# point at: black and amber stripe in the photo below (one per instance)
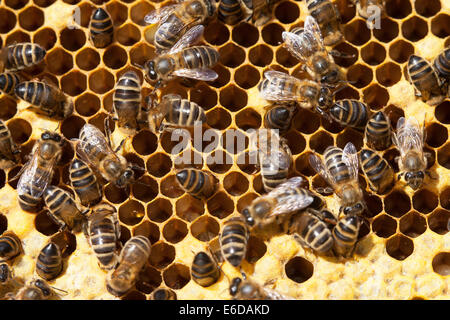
(5, 273)
(328, 19)
(164, 294)
(350, 112)
(233, 240)
(61, 206)
(230, 11)
(377, 170)
(84, 183)
(204, 270)
(136, 251)
(10, 246)
(314, 233)
(345, 235)
(442, 64)
(101, 28)
(279, 117)
(49, 262)
(8, 82)
(23, 55)
(273, 172)
(197, 183)
(184, 113)
(30, 198)
(336, 166)
(199, 57)
(423, 77)
(165, 38)
(378, 131)
(9, 152)
(127, 100)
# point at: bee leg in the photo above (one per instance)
(342, 55)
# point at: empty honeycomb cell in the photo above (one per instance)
(424, 201)
(223, 76)
(399, 247)
(443, 156)
(219, 161)
(260, 55)
(189, 159)
(216, 33)
(71, 127)
(204, 96)
(125, 234)
(397, 203)
(295, 141)
(115, 57)
(394, 113)
(246, 77)
(87, 59)
(7, 20)
(175, 230)
(85, 13)
(159, 164)
(205, 228)
(73, 83)
(287, 12)
(359, 75)
(189, 208)
(414, 29)
(145, 142)
(44, 224)
(139, 11)
(235, 183)
(388, 30)
(349, 52)
(118, 12)
(271, 34)
(99, 121)
(442, 112)
(149, 230)
(390, 157)
(176, 276)
(20, 130)
(128, 35)
(413, 224)
(346, 9)
(384, 226)
(375, 96)
(302, 165)
(131, 212)
(445, 198)
(101, 81)
(172, 144)
(17, 37)
(170, 187)
(234, 141)
(3, 223)
(149, 279)
(436, 135)
(218, 118)
(246, 163)
(248, 119)
(350, 135)
(72, 39)
(145, 189)
(256, 249)
(114, 194)
(346, 93)
(162, 255)
(59, 61)
(373, 53)
(159, 210)
(11, 177)
(357, 32)
(389, 74)
(306, 121)
(398, 9)
(141, 53)
(31, 18)
(245, 34)
(440, 25)
(245, 201)
(16, 4)
(133, 295)
(298, 269)
(285, 58)
(400, 51)
(374, 205)
(320, 141)
(438, 221)
(441, 263)
(231, 55)
(87, 104)
(220, 205)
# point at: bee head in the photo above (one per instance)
(355, 210)
(153, 76)
(414, 179)
(234, 287)
(43, 286)
(126, 177)
(248, 218)
(47, 135)
(330, 77)
(325, 98)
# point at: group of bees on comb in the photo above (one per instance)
(286, 208)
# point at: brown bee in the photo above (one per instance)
(345, 235)
(8, 283)
(204, 270)
(94, 149)
(197, 183)
(8, 82)
(247, 289)
(329, 19)
(309, 48)
(183, 61)
(84, 183)
(10, 246)
(233, 240)
(20, 56)
(164, 294)
(101, 30)
(377, 171)
(37, 173)
(46, 99)
(412, 161)
(378, 131)
(368, 8)
(425, 80)
(9, 152)
(35, 290)
(442, 65)
(351, 113)
(174, 21)
(279, 116)
(231, 11)
(49, 263)
(133, 257)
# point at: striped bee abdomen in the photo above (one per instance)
(10, 246)
(127, 100)
(279, 117)
(9, 152)
(199, 57)
(163, 294)
(49, 263)
(8, 82)
(101, 28)
(196, 182)
(314, 233)
(204, 270)
(337, 167)
(30, 199)
(84, 183)
(378, 131)
(23, 55)
(164, 36)
(350, 112)
(377, 170)
(230, 11)
(345, 235)
(233, 241)
(442, 64)
(425, 79)
(183, 112)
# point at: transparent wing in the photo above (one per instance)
(274, 295)
(95, 139)
(409, 135)
(204, 74)
(317, 164)
(160, 15)
(303, 45)
(34, 183)
(313, 28)
(275, 89)
(192, 36)
(350, 157)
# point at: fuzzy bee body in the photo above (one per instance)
(312, 232)
(248, 289)
(204, 269)
(164, 294)
(8, 82)
(127, 101)
(84, 183)
(442, 64)
(345, 235)
(21, 55)
(182, 112)
(230, 11)
(35, 290)
(377, 171)
(279, 116)
(196, 182)
(328, 18)
(349, 112)
(10, 246)
(101, 29)
(378, 131)
(49, 263)
(9, 152)
(233, 241)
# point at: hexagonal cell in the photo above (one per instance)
(287, 12)
(176, 276)
(440, 25)
(375, 96)
(189, 208)
(298, 269)
(147, 229)
(145, 142)
(141, 53)
(424, 201)
(302, 165)
(61, 61)
(414, 29)
(173, 146)
(248, 119)
(346, 10)
(374, 205)
(442, 112)
(149, 279)
(245, 34)
(320, 141)
(231, 55)
(234, 141)
(441, 263)
(445, 198)
(175, 230)
(219, 161)
(388, 74)
(204, 96)
(133, 295)
(131, 212)
(436, 135)
(87, 104)
(413, 224)
(443, 156)
(20, 130)
(260, 55)
(357, 32)
(159, 164)
(220, 205)
(11, 178)
(73, 83)
(114, 194)
(384, 226)
(115, 57)
(397, 203)
(46, 38)
(400, 51)
(31, 18)
(118, 12)
(247, 163)
(271, 34)
(44, 3)
(388, 30)
(216, 33)
(44, 224)
(162, 255)
(373, 53)
(246, 77)
(17, 37)
(285, 58)
(438, 221)
(2, 184)
(71, 127)
(205, 228)
(3, 223)
(399, 247)
(139, 11)
(128, 35)
(349, 50)
(87, 59)
(245, 201)
(306, 121)
(101, 81)
(350, 135)
(125, 234)
(159, 210)
(398, 9)
(394, 113)
(16, 4)
(218, 118)
(359, 75)
(346, 93)
(72, 39)
(235, 183)
(223, 78)
(256, 249)
(8, 109)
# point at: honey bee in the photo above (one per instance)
(329, 20)
(10, 246)
(174, 21)
(164, 294)
(8, 82)
(233, 240)
(341, 172)
(412, 161)
(96, 151)
(20, 56)
(378, 131)
(204, 270)
(309, 48)
(377, 171)
(248, 289)
(84, 183)
(367, 8)
(49, 262)
(231, 11)
(132, 258)
(262, 11)
(46, 99)
(103, 234)
(345, 235)
(442, 65)
(35, 290)
(279, 116)
(62, 208)
(183, 61)
(9, 152)
(37, 173)
(351, 113)
(197, 183)
(278, 86)
(8, 283)
(101, 30)
(425, 80)
(127, 102)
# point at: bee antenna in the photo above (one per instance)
(65, 292)
(338, 54)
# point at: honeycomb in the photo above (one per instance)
(404, 255)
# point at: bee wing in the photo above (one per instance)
(313, 28)
(275, 91)
(32, 183)
(409, 135)
(274, 295)
(204, 74)
(303, 45)
(350, 157)
(160, 15)
(191, 37)
(321, 169)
